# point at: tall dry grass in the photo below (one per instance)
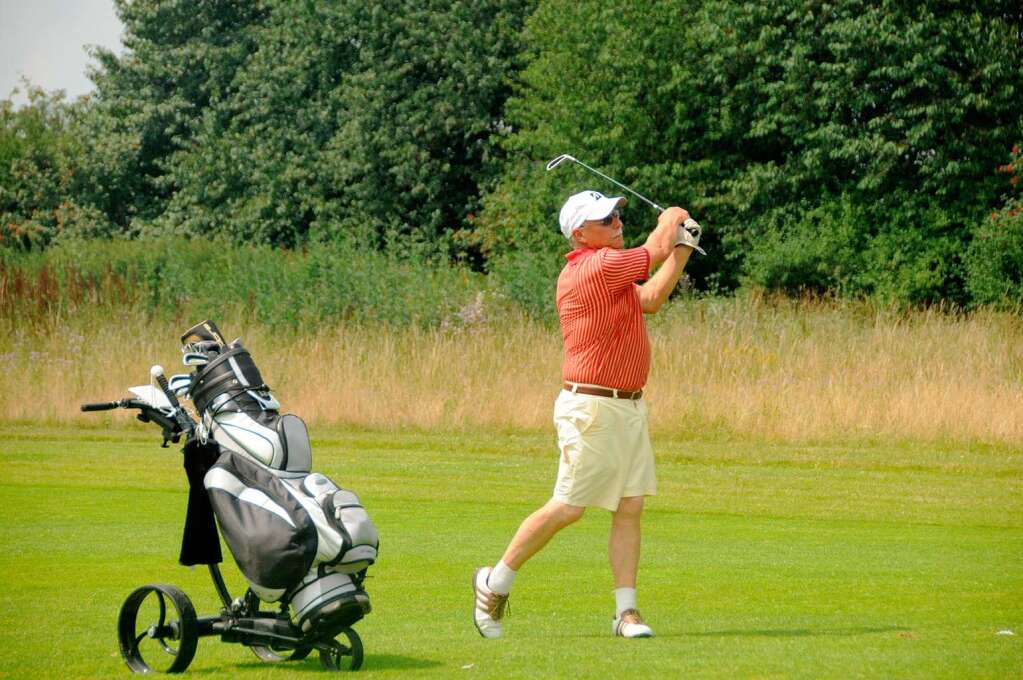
(803, 371)
(794, 371)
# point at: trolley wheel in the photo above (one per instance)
(339, 656)
(154, 637)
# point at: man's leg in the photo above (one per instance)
(623, 550)
(537, 530)
(493, 585)
(623, 545)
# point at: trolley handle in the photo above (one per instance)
(104, 406)
(173, 427)
(120, 403)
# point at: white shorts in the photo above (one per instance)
(605, 450)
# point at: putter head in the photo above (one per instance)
(555, 162)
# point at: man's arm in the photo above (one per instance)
(661, 241)
(658, 287)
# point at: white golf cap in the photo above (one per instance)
(586, 206)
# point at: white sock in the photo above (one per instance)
(625, 598)
(501, 579)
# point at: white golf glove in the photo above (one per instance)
(689, 233)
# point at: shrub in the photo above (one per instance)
(174, 278)
(994, 262)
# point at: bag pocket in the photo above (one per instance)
(362, 541)
(271, 535)
(342, 508)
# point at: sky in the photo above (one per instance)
(45, 40)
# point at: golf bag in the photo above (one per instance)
(294, 533)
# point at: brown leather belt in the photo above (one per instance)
(602, 391)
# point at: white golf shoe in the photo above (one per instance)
(631, 625)
(489, 606)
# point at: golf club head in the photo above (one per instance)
(555, 162)
(195, 359)
(180, 383)
(204, 331)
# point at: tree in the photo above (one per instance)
(420, 111)
(180, 60)
(772, 121)
(601, 82)
(279, 121)
(895, 111)
(38, 156)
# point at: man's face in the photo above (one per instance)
(597, 234)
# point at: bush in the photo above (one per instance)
(174, 278)
(820, 251)
(528, 280)
(39, 155)
(994, 262)
(845, 248)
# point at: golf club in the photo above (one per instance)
(690, 224)
(180, 383)
(195, 359)
(565, 157)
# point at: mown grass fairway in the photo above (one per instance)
(760, 560)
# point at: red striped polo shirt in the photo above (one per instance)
(601, 320)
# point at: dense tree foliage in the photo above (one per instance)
(275, 121)
(847, 147)
(995, 258)
(887, 118)
(29, 166)
(180, 60)
(37, 166)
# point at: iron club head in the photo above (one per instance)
(555, 162)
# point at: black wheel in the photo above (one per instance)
(153, 636)
(341, 656)
(269, 654)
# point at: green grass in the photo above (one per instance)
(760, 560)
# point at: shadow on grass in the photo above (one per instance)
(794, 632)
(371, 662)
(381, 662)
(781, 632)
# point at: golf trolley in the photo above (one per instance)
(299, 540)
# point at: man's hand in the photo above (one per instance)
(672, 223)
(661, 242)
(673, 215)
(689, 233)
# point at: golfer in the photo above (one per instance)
(606, 460)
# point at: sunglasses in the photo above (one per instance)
(609, 220)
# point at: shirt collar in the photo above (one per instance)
(579, 253)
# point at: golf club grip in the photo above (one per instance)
(171, 397)
(105, 406)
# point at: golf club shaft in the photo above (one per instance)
(557, 161)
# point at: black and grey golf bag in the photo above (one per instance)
(295, 534)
